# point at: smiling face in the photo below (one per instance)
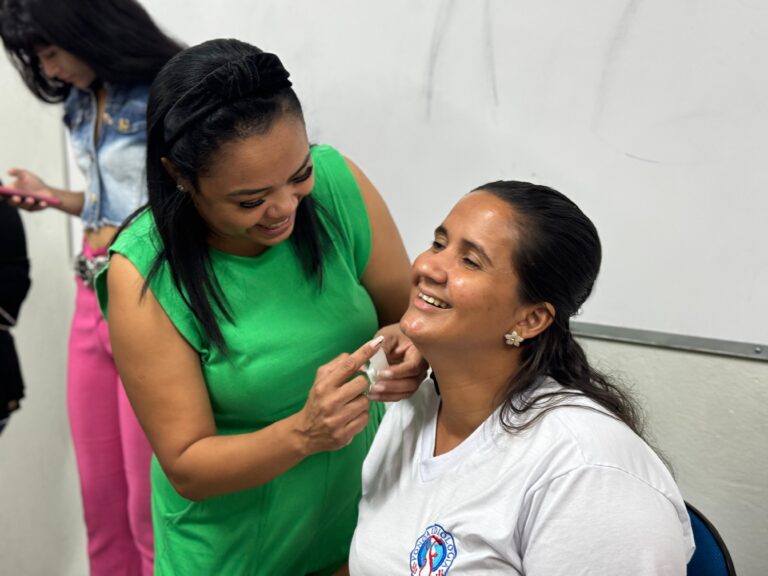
(249, 194)
(64, 66)
(465, 287)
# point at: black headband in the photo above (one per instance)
(255, 74)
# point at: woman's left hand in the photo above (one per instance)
(407, 367)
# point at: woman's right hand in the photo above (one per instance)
(337, 407)
(26, 181)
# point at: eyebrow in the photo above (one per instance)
(467, 245)
(251, 192)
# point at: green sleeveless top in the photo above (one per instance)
(284, 329)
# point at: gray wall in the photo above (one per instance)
(709, 416)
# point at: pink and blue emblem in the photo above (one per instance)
(433, 553)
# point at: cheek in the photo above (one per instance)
(240, 219)
(70, 67)
(305, 188)
(89, 74)
(468, 294)
(49, 66)
(218, 217)
(481, 299)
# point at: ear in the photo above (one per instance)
(535, 319)
(174, 173)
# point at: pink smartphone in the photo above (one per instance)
(50, 200)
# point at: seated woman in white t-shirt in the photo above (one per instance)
(521, 458)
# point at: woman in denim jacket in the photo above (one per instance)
(99, 59)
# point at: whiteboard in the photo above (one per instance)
(652, 116)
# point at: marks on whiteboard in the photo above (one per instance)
(438, 36)
(672, 88)
(462, 53)
(489, 51)
(612, 61)
(636, 157)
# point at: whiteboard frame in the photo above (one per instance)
(673, 341)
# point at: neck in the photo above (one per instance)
(471, 388)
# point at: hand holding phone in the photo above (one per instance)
(22, 194)
(37, 198)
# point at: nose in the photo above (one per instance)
(430, 266)
(283, 203)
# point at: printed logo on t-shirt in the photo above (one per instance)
(434, 552)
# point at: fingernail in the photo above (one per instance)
(376, 342)
(384, 373)
(378, 388)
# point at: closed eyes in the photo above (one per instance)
(303, 177)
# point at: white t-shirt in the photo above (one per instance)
(578, 493)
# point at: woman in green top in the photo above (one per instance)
(260, 259)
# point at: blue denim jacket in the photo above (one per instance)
(113, 165)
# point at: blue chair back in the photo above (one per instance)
(711, 557)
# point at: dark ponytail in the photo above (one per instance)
(557, 260)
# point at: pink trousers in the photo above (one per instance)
(112, 452)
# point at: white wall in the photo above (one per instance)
(650, 114)
(709, 414)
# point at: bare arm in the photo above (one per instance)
(161, 374)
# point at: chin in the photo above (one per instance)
(413, 325)
(406, 323)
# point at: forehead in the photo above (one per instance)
(260, 160)
(484, 219)
(482, 213)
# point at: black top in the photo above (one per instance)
(14, 285)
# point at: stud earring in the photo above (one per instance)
(514, 339)
(180, 188)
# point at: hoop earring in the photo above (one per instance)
(514, 339)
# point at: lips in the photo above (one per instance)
(276, 225)
(276, 228)
(432, 300)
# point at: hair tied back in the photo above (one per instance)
(254, 74)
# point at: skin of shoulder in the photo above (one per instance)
(160, 370)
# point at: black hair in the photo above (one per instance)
(241, 91)
(557, 260)
(117, 39)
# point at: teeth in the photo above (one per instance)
(434, 301)
(274, 226)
